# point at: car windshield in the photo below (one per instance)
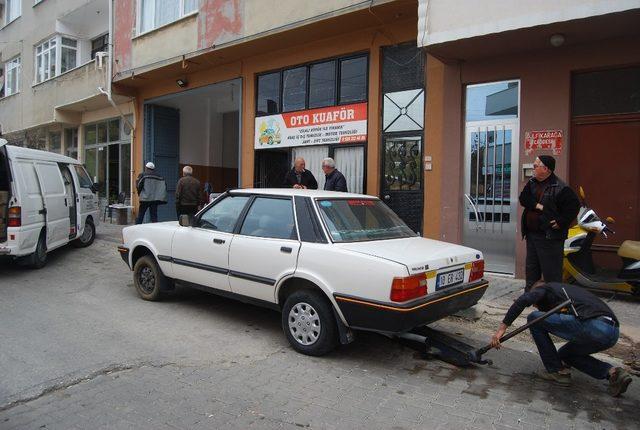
(358, 220)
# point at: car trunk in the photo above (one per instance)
(5, 191)
(416, 253)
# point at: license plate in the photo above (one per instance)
(448, 279)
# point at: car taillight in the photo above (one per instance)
(15, 217)
(477, 270)
(411, 287)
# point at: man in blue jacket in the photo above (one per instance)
(334, 180)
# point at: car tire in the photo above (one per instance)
(38, 259)
(309, 323)
(88, 235)
(148, 279)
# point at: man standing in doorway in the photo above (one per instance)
(335, 181)
(188, 193)
(299, 177)
(152, 191)
(550, 206)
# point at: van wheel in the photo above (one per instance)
(309, 324)
(38, 259)
(88, 235)
(149, 280)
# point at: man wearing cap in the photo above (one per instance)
(550, 206)
(152, 191)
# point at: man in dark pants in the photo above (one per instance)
(299, 177)
(334, 179)
(589, 326)
(152, 191)
(550, 206)
(188, 193)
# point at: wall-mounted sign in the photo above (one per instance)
(324, 126)
(543, 140)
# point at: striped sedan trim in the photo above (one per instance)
(220, 270)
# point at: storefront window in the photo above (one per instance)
(55, 142)
(294, 89)
(313, 86)
(269, 94)
(322, 84)
(114, 130)
(71, 142)
(353, 80)
(107, 158)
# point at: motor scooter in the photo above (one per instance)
(578, 266)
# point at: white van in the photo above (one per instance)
(46, 201)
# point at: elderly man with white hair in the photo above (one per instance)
(152, 191)
(299, 177)
(188, 193)
(334, 180)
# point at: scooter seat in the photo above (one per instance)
(630, 249)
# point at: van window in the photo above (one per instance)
(51, 179)
(28, 172)
(83, 176)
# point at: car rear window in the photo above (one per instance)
(358, 220)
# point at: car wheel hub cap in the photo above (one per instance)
(147, 280)
(304, 324)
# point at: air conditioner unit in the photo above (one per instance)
(100, 59)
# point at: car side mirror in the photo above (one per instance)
(184, 220)
(95, 188)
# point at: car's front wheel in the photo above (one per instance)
(309, 323)
(87, 237)
(148, 279)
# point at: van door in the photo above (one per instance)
(70, 191)
(30, 199)
(56, 203)
(87, 201)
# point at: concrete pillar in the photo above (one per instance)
(81, 142)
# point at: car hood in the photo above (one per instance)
(418, 254)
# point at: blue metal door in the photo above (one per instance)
(162, 147)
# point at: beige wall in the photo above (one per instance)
(34, 104)
(481, 17)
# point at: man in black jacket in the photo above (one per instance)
(550, 206)
(334, 179)
(299, 177)
(589, 326)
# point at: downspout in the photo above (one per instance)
(110, 97)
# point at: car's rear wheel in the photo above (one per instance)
(148, 279)
(308, 323)
(38, 259)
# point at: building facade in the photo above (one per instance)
(507, 83)
(440, 117)
(54, 58)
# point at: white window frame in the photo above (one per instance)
(152, 15)
(14, 63)
(55, 45)
(15, 4)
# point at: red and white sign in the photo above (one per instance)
(543, 140)
(324, 126)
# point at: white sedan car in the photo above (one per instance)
(330, 262)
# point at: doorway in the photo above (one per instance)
(199, 128)
(490, 184)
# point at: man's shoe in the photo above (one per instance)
(562, 377)
(619, 381)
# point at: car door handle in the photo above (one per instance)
(286, 249)
(42, 212)
(218, 241)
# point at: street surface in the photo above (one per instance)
(79, 349)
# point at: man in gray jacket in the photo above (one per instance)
(152, 191)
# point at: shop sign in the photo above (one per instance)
(543, 140)
(324, 126)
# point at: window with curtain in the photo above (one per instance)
(156, 13)
(350, 161)
(54, 56)
(12, 76)
(313, 156)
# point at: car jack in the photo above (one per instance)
(434, 343)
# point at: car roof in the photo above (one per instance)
(300, 192)
(35, 154)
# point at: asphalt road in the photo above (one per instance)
(79, 349)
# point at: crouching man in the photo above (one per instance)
(589, 326)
